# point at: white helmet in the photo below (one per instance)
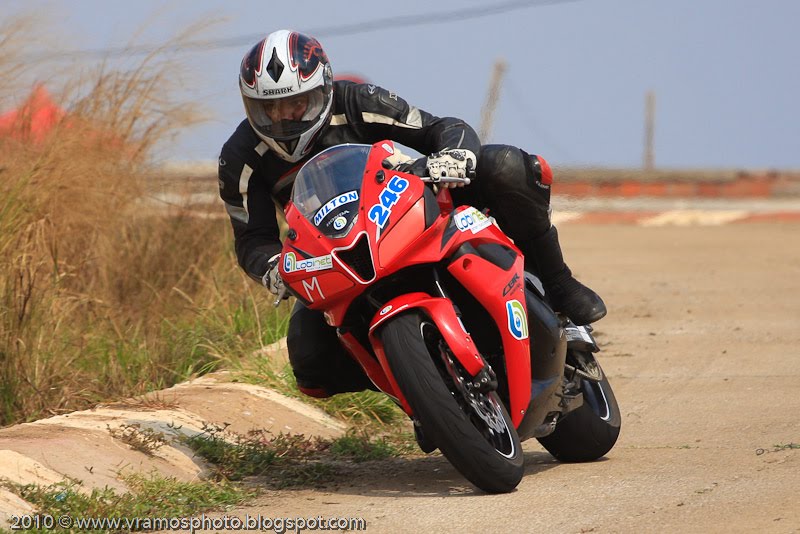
(287, 88)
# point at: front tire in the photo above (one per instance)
(473, 431)
(591, 430)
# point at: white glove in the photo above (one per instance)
(272, 278)
(452, 163)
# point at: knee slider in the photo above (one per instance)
(542, 171)
(538, 171)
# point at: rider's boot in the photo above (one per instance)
(565, 293)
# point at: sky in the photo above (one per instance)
(725, 73)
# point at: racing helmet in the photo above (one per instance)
(286, 83)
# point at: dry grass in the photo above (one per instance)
(13, 35)
(99, 300)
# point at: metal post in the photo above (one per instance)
(487, 112)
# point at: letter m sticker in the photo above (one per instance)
(311, 287)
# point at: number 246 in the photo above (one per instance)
(379, 213)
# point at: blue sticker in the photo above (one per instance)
(517, 319)
(379, 213)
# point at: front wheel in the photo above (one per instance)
(470, 427)
(591, 430)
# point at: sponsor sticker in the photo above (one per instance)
(511, 285)
(517, 319)
(471, 219)
(341, 200)
(291, 264)
(386, 310)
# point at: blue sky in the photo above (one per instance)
(726, 73)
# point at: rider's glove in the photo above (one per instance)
(452, 163)
(272, 278)
(417, 167)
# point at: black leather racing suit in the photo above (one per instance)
(252, 180)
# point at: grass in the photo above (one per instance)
(149, 496)
(360, 409)
(241, 465)
(287, 460)
(101, 299)
(144, 440)
(359, 446)
(779, 447)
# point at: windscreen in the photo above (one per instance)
(328, 187)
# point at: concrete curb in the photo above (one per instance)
(80, 446)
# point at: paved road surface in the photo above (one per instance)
(702, 347)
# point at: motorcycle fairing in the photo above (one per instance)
(391, 211)
(487, 282)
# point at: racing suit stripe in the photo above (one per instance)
(338, 120)
(414, 117)
(261, 148)
(413, 121)
(237, 212)
(244, 183)
(460, 140)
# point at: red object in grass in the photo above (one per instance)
(34, 119)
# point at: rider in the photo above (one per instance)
(295, 110)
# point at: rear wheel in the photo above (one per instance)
(591, 430)
(470, 427)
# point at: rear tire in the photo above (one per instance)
(484, 447)
(591, 430)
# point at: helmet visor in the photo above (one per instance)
(287, 118)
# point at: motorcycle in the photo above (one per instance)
(431, 299)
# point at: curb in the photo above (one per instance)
(86, 446)
(677, 184)
(677, 217)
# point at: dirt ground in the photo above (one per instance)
(701, 346)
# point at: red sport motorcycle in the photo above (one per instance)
(432, 301)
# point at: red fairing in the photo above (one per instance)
(391, 231)
(443, 313)
(334, 287)
(487, 282)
